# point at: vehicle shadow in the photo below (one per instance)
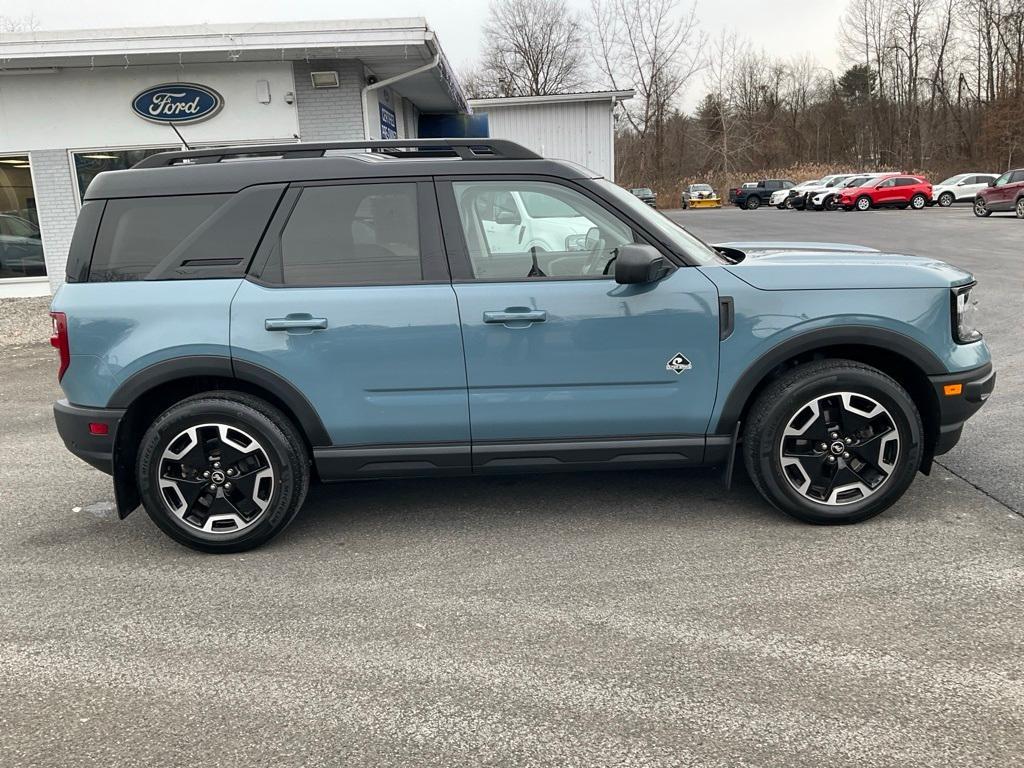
(525, 501)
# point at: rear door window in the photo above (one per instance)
(345, 234)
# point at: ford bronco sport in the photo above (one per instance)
(238, 322)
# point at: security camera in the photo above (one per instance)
(371, 80)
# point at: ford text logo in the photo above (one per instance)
(177, 103)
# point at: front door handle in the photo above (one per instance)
(516, 317)
(295, 323)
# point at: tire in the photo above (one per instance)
(831, 204)
(684, 205)
(946, 199)
(228, 435)
(806, 402)
(918, 202)
(1019, 208)
(788, 205)
(753, 203)
(980, 209)
(863, 203)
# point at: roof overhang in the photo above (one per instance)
(561, 98)
(386, 47)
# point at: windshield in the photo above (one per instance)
(700, 187)
(856, 181)
(666, 229)
(876, 182)
(641, 191)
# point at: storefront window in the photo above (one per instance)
(21, 247)
(90, 163)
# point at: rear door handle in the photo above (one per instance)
(516, 317)
(295, 323)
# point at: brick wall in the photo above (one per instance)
(329, 114)
(56, 204)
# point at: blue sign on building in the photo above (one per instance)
(177, 103)
(388, 123)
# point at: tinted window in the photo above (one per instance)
(1018, 176)
(352, 233)
(906, 182)
(573, 236)
(137, 234)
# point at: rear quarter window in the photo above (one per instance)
(137, 234)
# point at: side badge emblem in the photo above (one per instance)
(678, 364)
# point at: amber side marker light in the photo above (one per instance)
(952, 390)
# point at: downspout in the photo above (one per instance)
(383, 83)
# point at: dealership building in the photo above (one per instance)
(76, 103)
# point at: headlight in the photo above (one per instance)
(965, 312)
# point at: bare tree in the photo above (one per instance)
(654, 47)
(531, 48)
(27, 23)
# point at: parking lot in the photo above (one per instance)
(599, 619)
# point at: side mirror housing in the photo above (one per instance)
(638, 263)
(992, 183)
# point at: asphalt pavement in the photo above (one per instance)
(643, 618)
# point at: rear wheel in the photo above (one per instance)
(980, 209)
(863, 203)
(222, 472)
(918, 201)
(946, 199)
(833, 442)
(1020, 208)
(753, 203)
(830, 203)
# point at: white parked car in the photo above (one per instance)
(827, 198)
(781, 197)
(961, 188)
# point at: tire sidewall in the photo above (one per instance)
(878, 387)
(261, 428)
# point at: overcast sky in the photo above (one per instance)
(781, 27)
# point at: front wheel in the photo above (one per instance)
(1020, 208)
(946, 199)
(753, 203)
(917, 202)
(863, 203)
(980, 209)
(833, 442)
(222, 472)
(831, 204)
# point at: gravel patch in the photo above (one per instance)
(24, 321)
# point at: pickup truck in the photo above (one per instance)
(754, 197)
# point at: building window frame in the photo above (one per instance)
(35, 196)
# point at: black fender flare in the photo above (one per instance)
(850, 335)
(221, 366)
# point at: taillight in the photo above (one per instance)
(59, 341)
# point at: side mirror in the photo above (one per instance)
(992, 183)
(506, 217)
(637, 263)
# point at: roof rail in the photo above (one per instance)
(465, 149)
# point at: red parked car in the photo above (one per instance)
(894, 189)
(1004, 194)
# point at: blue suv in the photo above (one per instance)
(239, 322)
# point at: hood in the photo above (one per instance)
(831, 266)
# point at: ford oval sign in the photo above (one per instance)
(177, 103)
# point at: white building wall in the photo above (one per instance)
(581, 132)
(79, 108)
(57, 207)
(329, 114)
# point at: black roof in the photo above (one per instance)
(230, 169)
